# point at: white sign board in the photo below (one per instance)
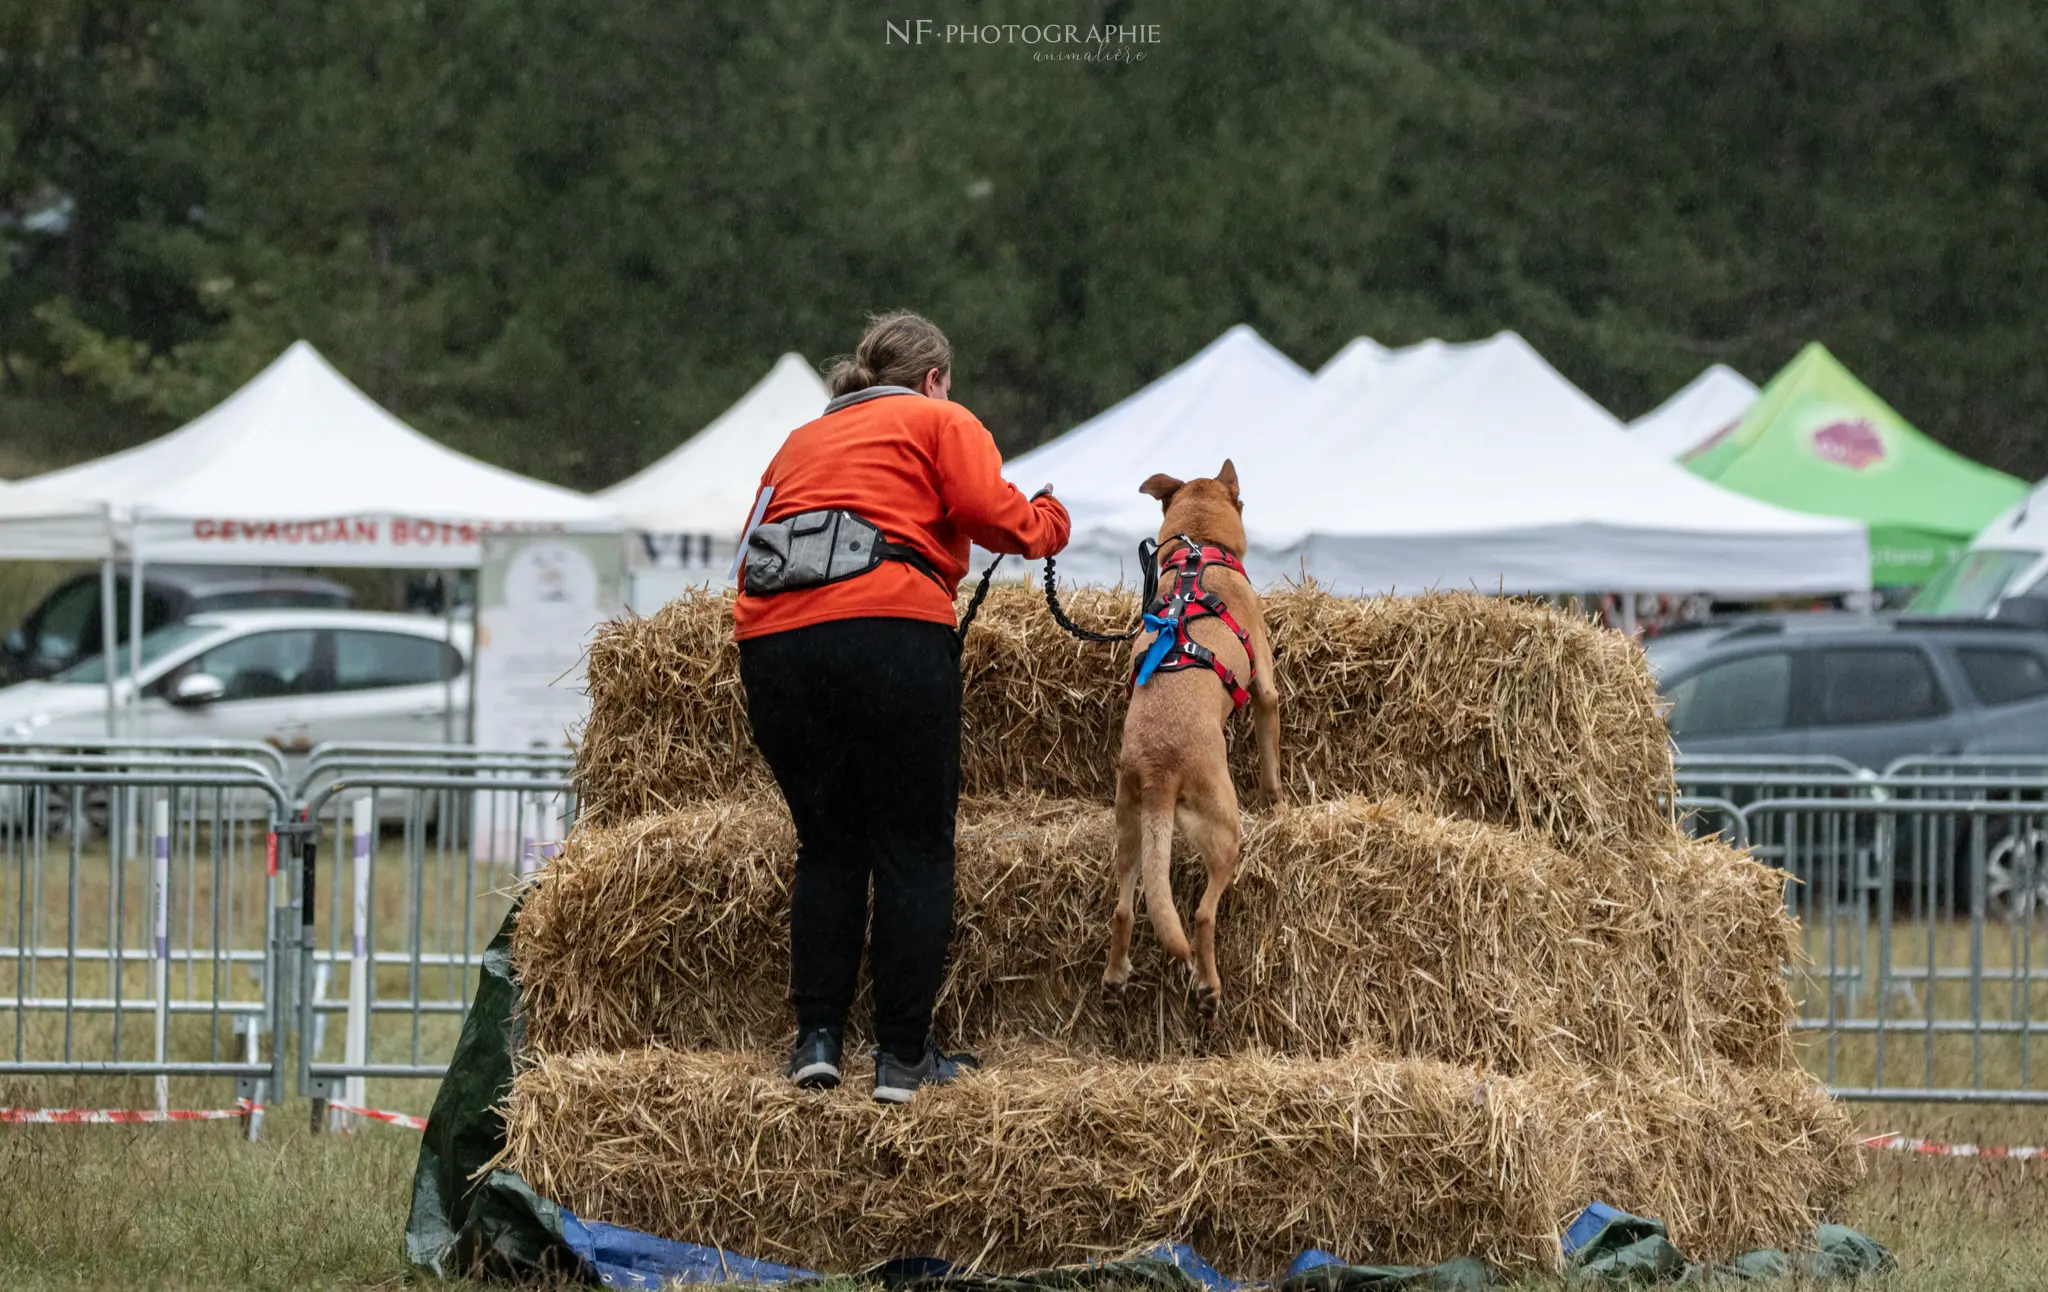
(540, 600)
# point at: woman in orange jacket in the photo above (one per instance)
(850, 660)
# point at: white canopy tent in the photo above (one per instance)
(2023, 525)
(43, 525)
(300, 467)
(1710, 402)
(1176, 424)
(2009, 558)
(706, 485)
(1480, 466)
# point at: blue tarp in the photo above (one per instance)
(627, 1258)
(1602, 1245)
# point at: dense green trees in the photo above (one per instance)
(561, 235)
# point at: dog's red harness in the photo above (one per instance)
(1187, 600)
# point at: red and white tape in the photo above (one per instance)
(406, 1120)
(1935, 1148)
(123, 1116)
(135, 1116)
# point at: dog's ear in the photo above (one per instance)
(1227, 477)
(1163, 487)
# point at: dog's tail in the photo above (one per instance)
(1155, 858)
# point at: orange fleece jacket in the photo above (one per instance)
(926, 471)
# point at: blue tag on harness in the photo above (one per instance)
(1164, 628)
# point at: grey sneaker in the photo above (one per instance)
(814, 1060)
(896, 1081)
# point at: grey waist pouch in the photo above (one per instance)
(814, 548)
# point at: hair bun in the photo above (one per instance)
(896, 350)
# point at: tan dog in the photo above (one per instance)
(1175, 762)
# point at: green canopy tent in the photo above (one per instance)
(1817, 440)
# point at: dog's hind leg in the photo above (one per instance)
(1118, 973)
(1211, 821)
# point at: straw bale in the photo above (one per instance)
(1352, 922)
(1722, 943)
(1049, 1161)
(1495, 709)
(1046, 1159)
(1730, 1159)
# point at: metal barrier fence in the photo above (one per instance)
(187, 914)
(140, 915)
(164, 913)
(1922, 899)
(405, 923)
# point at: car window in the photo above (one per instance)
(2004, 675)
(155, 645)
(275, 599)
(367, 659)
(262, 665)
(1973, 584)
(1753, 693)
(60, 630)
(1862, 686)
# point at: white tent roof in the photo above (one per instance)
(2024, 525)
(1186, 422)
(41, 525)
(299, 464)
(1715, 399)
(1479, 466)
(708, 483)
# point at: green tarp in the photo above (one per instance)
(1630, 1250)
(1817, 440)
(466, 1222)
(496, 1226)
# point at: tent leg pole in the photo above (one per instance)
(476, 616)
(448, 578)
(110, 639)
(135, 638)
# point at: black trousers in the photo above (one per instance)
(859, 719)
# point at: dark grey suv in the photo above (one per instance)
(1868, 689)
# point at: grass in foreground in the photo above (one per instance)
(195, 1206)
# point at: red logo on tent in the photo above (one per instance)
(1853, 444)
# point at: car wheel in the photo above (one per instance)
(86, 816)
(2016, 875)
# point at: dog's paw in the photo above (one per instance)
(1208, 1000)
(1113, 990)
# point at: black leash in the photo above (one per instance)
(980, 595)
(1148, 561)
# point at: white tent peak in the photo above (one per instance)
(1704, 405)
(1478, 464)
(301, 441)
(707, 484)
(1358, 351)
(1186, 421)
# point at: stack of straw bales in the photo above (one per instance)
(1495, 710)
(1475, 979)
